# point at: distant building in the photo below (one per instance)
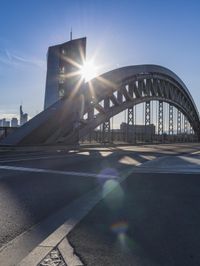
(14, 122)
(5, 123)
(23, 116)
(140, 131)
(1, 122)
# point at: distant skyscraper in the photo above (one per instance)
(14, 122)
(63, 64)
(23, 116)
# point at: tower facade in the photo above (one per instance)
(63, 67)
(23, 116)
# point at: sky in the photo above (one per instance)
(119, 33)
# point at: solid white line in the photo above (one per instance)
(195, 152)
(67, 252)
(47, 171)
(34, 158)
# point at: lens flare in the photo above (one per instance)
(115, 199)
(88, 70)
(119, 227)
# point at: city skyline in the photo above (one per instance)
(118, 34)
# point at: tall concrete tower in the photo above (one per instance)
(63, 63)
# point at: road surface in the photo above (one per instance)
(151, 218)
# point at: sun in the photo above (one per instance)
(88, 70)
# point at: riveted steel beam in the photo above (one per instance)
(185, 126)
(126, 94)
(160, 118)
(171, 119)
(178, 122)
(106, 136)
(114, 100)
(130, 124)
(147, 113)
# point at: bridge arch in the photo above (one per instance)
(97, 101)
(125, 87)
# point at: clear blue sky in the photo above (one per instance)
(119, 32)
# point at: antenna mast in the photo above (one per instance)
(71, 34)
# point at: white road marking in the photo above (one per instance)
(68, 254)
(47, 171)
(34, 158)
(195, 152)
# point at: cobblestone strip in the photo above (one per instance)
(62, 255)
(54, 258)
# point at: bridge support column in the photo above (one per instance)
(147, 120)
(130, 125)
(178, 124)
(160, 120)
(185, 128)
(106, 125)
(191, 134)
(90, 117)
(171, 120)
(106, 132)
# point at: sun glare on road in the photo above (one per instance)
(88, 71)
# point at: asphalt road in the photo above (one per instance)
(149, 219)
(26, 198)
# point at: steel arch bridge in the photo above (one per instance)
(104, 97)
(122, 88)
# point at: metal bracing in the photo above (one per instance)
(171, 119)
(147, 113)
(112, 128)
(130, 124)
(160, 118)
(106, 125)
(91, 113)
(185, 126)
(178, 122)
(106, 131)
(90, 117)
(147, 119)
(135, 122)
(130, 117)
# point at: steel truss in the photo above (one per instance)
(147, 119)
(106, 131)
(160, 118)
(185, 126)
(171, 119)
(144, 89)
(178, 122)
(130, 124)
(147, 113)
